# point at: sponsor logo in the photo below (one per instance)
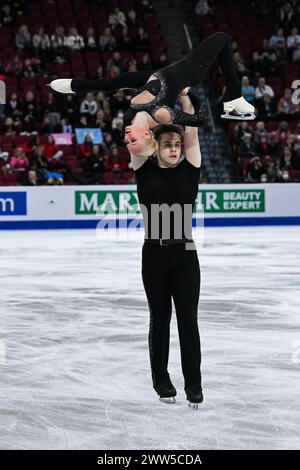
(13, 203)
(210, 201)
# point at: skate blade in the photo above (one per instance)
(169, 400)
(194, 406)
(238, 117)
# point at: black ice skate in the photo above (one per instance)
(166, 391)
(194, 399)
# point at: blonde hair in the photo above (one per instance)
(150, 149)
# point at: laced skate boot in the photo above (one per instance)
(194, 399)
(166, 390)
(62, 85)
(238, 109)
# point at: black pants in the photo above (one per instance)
(173, 272)
(189, 71)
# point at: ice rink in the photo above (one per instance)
(75, 371)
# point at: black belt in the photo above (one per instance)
(167, 242)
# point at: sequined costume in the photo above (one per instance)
(172, 79)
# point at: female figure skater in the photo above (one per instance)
(156, 93)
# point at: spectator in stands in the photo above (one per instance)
(69, 108)
(14, 67)
(115, 61)
(279, 36)
(255, 64)
(280, 51)
(51, 150)
(93, 165)
(38, 164)
(141, 41)
(145, 8)
(14, 106)
(284, 176)
(75, 42)
(117, 18)
(119, 102)
(89, 108)
(263, 147)
(270, 169)
(19, 161)
(202, 8)
(247, 148)
(117, 133)
(56, 54)
(108, 142)
(30, 105)
(286, 14)
(241, 130)
(146, 63)
(65, 127)
(107, 41)
(28, 70)
(260, 131)
(38, 37)
(103, 103)
(248, 90)
(296, 153)
(285, 104)
(293, 39)
(162, 61)
(9, 127)
(82, 122)
(86, 148)
(240, 65)
(23, 39)
(59, 37)
(286, 160)
(296, 54)
(132, 20)
(102, 121)
(6, 15)
(266, 108)
(263, 89)
(30, 147)
(254, 170)
(47, 126)
(91, 40)
(271, 65)
(125, 42)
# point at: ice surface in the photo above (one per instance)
(74, 363)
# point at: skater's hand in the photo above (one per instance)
(185, 91)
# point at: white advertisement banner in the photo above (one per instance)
(261, 202)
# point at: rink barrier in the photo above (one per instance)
(69, 207)
(92, 224)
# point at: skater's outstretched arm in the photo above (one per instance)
(190, 137)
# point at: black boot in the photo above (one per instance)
(164, 388)
(194, 395)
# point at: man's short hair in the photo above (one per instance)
(165, 128)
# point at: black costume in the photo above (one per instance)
(171, 271)
(170, 80)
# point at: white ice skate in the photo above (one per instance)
(170, 400)
(62, 85)
(239, 109)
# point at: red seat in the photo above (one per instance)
(13, 179)
(27, 83)
(108, 177)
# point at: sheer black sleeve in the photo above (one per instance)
(128, 80)
(186, 119)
